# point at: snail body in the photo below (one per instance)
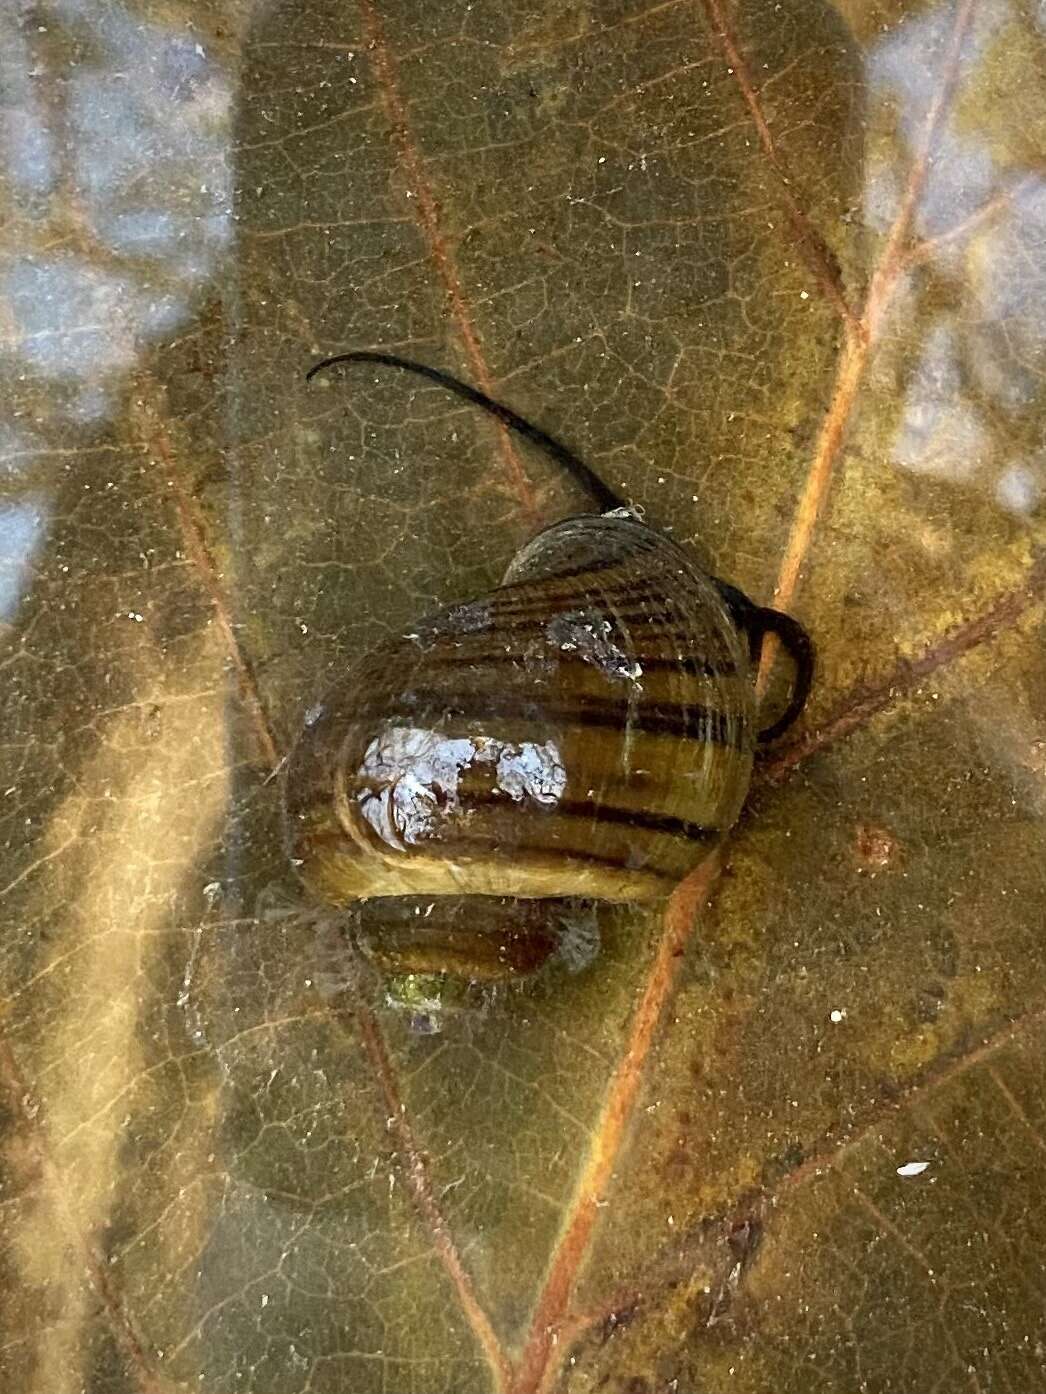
(580, 734)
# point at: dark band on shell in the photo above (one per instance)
(584, 731)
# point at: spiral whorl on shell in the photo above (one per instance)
(580, 734)
(584, 730)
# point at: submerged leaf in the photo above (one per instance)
(776, 273)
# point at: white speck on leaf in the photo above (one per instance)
(912, 1169)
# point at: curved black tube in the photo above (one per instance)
(604, 496)
(758, 621)
(799, 646)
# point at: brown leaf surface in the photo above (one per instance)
(780, 279)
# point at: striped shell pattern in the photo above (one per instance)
(585, 730)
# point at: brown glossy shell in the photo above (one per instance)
(585, 730)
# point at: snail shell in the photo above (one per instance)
(583, 732)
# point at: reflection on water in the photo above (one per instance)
(119, 144)
(74, 321)
(900, 70)
(21, 527)
(116, 185)
(975, 391)
(1020, 485)
(940, 433)
(980, 287)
